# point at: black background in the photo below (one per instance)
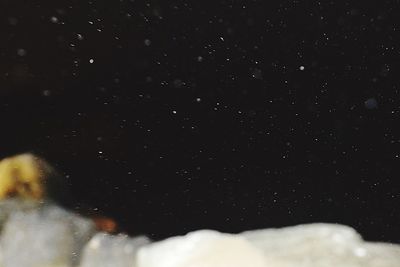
(172, 116)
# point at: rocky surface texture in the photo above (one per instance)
(46, 235)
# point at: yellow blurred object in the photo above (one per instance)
(23, 176)
(29, 177)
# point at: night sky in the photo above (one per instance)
(172, 116)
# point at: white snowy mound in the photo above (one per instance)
(203, 248)
(315, 245)
(312, 245)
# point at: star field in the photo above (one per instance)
(232, 115)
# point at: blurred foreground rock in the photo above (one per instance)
(45, 235)
(36, 231)
(105, 250)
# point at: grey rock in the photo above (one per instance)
(48, 236)
(11, 205)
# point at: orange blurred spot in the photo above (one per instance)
(105, 224)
